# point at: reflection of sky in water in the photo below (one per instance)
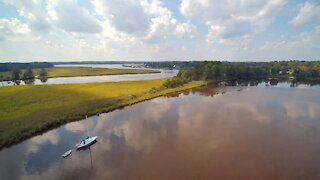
(254, 132)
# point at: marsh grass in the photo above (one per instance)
(27, 110)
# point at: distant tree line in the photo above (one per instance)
(95, 62)
(23, 71)
(218, 71)
(170, 64)
(10, 66)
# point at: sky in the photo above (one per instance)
(159, 30)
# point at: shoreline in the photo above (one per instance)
(114, 105)
(60, 72)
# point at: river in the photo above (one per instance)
(251, 132)
(164, 73)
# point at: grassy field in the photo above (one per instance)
(83, 71)
(27, 110)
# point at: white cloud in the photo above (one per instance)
(143, 24)
(44, 15)
(230, 20)
(230, 33)
(307, 13)
(14, 30)
(125, 15)
(164, 25)
(186, 30)
(34, 12)
(249, 10)
(192, 8)
(68, 15)
(154, 30)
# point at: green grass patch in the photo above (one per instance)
(27, 110)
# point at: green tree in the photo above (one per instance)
(28, 74)
(15, 74)
(217, 72)
(210, 72)
(43, 76)
(43, 72)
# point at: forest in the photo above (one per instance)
(219, 71)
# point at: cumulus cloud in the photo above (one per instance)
(230, 33)
(249, 10)
(232, 19)
(140, 22)
(109, 23)
(14, 30)
(43, 15)
(69, 16)
(164, 25)
(186, 30)
(307, 13)
(155, 29)
(126, 15)
(34, 12)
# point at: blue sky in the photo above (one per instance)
(157, 30)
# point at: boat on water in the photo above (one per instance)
(66, 154)
(86, 142)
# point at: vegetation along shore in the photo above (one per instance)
(215, 71)
(76, 71)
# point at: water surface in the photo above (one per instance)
(247, 132)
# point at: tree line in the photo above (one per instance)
(219, 71)
(170, 64)
(23, 71)
(27, 75)
(33, 65)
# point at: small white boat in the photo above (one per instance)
(86, 142)
(66, 154)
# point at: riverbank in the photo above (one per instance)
(28, 110)
(82, 71)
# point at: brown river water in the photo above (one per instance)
(252, 132)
